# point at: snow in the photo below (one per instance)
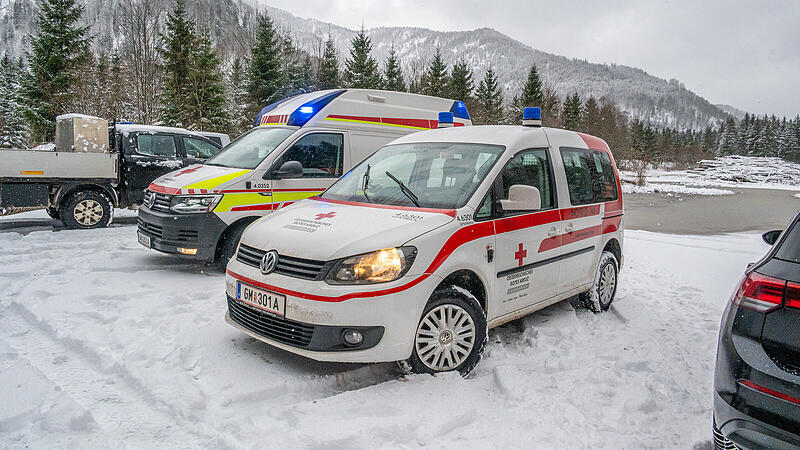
(48, 147)
(628, 188)
(797, 195)
(78, 116)
(102, 340)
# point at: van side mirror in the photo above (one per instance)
(771, 237)
(289, 169)
(522, 198)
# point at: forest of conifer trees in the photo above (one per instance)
(168, 71)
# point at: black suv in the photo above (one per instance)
(757, 377)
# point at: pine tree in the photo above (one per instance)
(591, 117)
(460, 84)
(729, 138)
(531, 95)
(328, 76)
(361, 70)
(14, 132)
(265, 73)
(489, 100)
(119, 102)
(435, 78)
(238, 102)
(59, 49)
(393, 73)
(179, 42)
(571, 112)
(206, 95)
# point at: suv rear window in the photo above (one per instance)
(590, 176)
(790, 248)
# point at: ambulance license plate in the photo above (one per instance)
(261, 299)
(144, 239)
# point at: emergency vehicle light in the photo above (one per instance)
(445, 120)
(532, 117)
(459, 109)
(305, 112)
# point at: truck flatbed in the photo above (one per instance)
(49, 165)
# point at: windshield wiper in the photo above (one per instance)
(366, 182)
(404, 189)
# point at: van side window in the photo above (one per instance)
(485, 210)
(321, 155)
(531, 168)
(198, 148)
(590, 176)
(156, 145)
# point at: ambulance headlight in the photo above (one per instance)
(188, 204)
(381, 266)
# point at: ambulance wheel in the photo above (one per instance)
(599, 297)
(451, 334)
(229, 244)
(86, 210)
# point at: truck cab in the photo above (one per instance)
(298, 147)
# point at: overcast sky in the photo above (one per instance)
(743, 53)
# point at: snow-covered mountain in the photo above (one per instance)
(643, 96)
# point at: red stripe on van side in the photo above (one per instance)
(163, 189)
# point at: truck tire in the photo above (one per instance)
(229, 244)
(53, 213)
(86, 210)
(451, 334)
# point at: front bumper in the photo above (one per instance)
(169, 232)
(388, 321)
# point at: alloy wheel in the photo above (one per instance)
(88, 212)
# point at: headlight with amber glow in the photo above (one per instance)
(380, 266)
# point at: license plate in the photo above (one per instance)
(261, 299)
(144, 239)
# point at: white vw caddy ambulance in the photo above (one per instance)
(298, 148)
(430, 241)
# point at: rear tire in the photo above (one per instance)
(86, 210)
(451, 334)
(604, 288)
(229, 244)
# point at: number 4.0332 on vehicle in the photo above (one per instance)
(440, 235)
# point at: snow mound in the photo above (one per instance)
(48, 147)
(672, 189)
(796, 195)
(749, 170)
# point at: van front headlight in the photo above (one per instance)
(188, 204)
(380, 266)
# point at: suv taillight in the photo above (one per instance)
(760, 293)
(793, 295)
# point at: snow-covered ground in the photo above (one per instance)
(672, 189)
(103, 343)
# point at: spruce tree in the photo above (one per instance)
(58, 50)
(393, 74)
(489, 100)
(531, 95)
(460, 84)
(14, 132)
(238, 100)
(571, 112)
(206, 95)
(435, 78)
(179, 42)
(297, 70)
(265, 74)
(591, 117)
(728, 141)
(328, 76)
(361, 70)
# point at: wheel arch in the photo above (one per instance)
(63, 192)
(615, 248)
(469, 281)
(244, 221)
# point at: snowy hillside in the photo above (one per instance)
(663, 103)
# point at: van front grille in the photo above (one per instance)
(307, 269)
(270, 326)
(161, 202)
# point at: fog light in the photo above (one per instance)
(352, 337)
(187, 251)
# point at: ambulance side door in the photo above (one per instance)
(527, 269)
(322, 157)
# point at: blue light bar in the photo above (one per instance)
(445, 119)
(531, 113)
(459, 109)
(306, 111)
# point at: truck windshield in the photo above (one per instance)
(249, 149)
(427, 175)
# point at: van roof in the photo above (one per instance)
(367, 109)
(511, 136)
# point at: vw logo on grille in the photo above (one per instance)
(151, 200)
(268, 262)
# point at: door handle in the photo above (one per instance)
(569, 227)
(552, 231)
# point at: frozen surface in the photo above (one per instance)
(104, 343)
(628, 188)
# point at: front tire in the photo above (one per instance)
(86, 210)
(604, 288)
(229, 244)
(451, 334)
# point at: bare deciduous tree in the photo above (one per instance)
(140, 22)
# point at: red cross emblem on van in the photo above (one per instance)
(326, 215)
(520, 254)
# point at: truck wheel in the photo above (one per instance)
(229, 244)
(53, 213)
(451, 334)
(86, 209)
(599, 297)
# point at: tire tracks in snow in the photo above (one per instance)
(119, 403)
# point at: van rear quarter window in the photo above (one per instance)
(590, 176)
(790, 248)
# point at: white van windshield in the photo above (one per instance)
(426, 175)
(249, 149)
